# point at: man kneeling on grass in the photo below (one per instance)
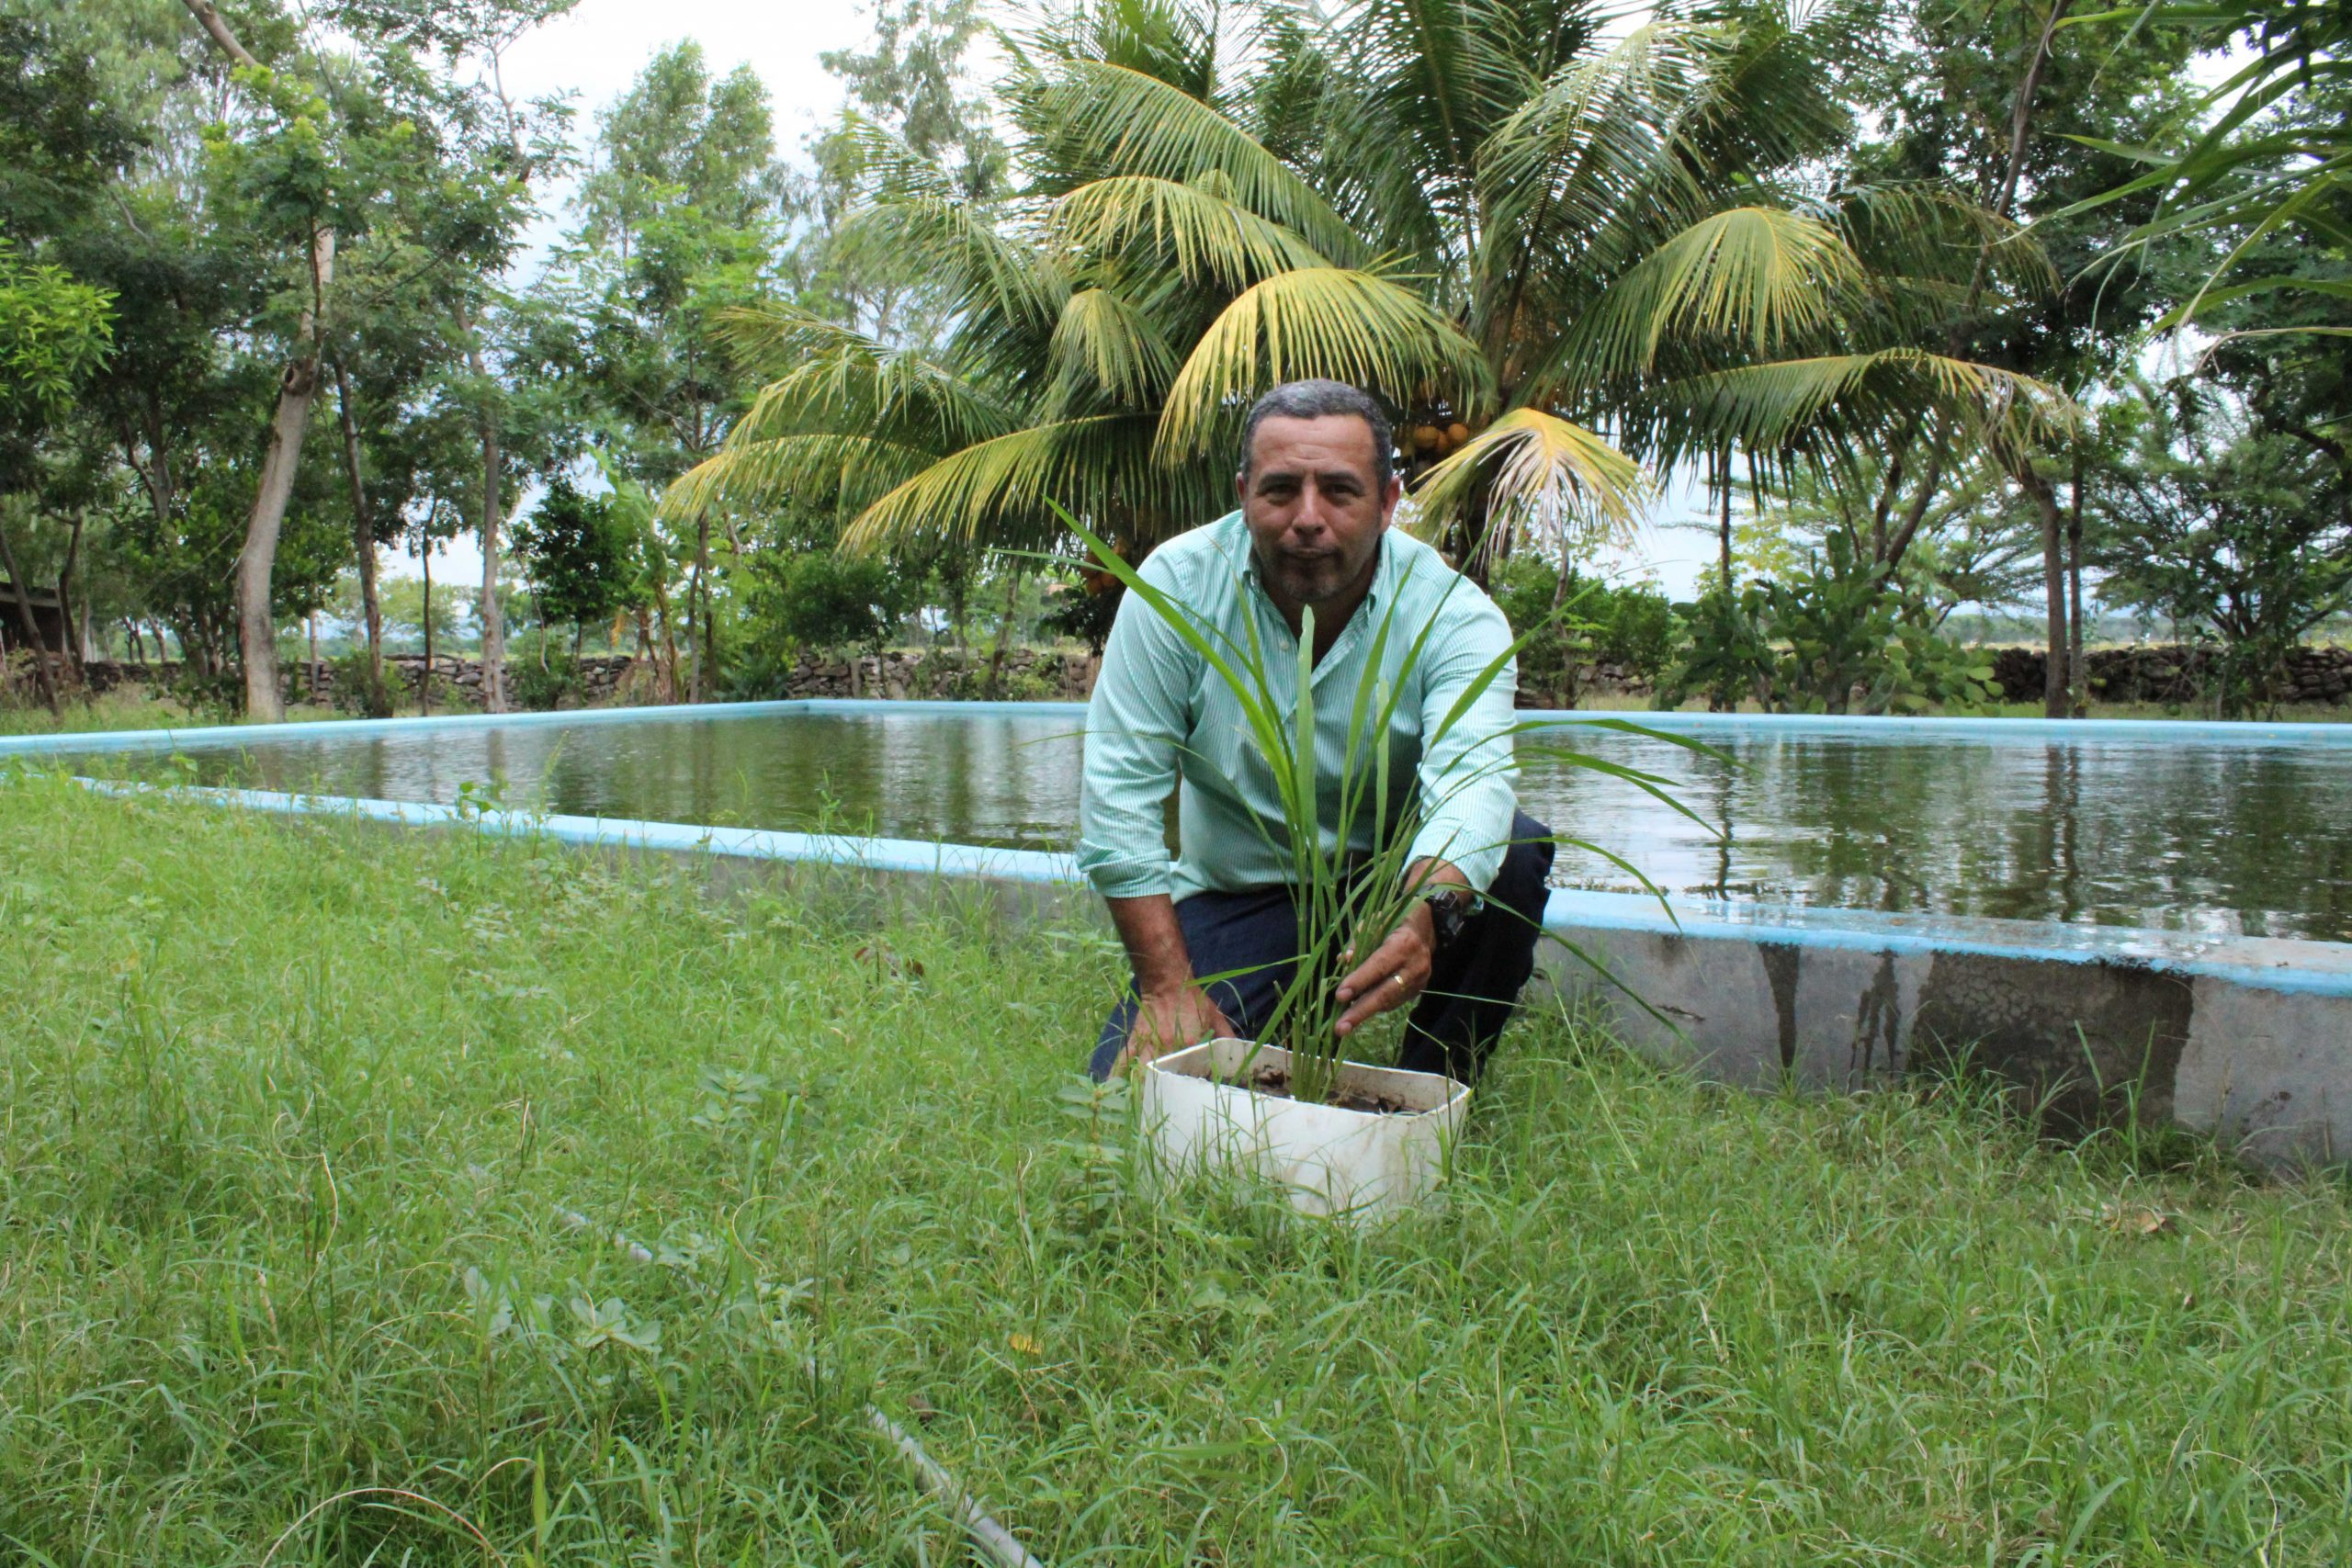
(1317, 486)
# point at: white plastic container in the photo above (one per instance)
(1360, 1164)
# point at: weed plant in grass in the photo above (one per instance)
(291, 1111)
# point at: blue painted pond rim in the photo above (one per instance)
(1776, 725)
(2264, 962)
(918, 855)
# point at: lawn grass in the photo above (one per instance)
(132, 707)
(293, 1112)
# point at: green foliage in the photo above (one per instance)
(1855, 641)
(54, 330)
(545, 684)
(359, 691)
(1084, 611)
(405, 609)
(1587, 622)
(1846, 635)
(2239, 532)
(2264, 151)
(1782, 221)
(817, 597)
(579, 553)
(1726, 654)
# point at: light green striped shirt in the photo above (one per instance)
(1159, 710)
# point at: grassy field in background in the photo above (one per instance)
(127, 709)
(293, 1112)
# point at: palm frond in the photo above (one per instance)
(1427, 84)
(1101, 119)
(1541, 476)
(1930, 233)
(1791, 402)
(1211, 238)
(900, 397)
(1105, 342)
(1351, 326)
(984, 269)
(819, 470)
(767, 341)
(1097, 465)
(1751, 277)
(1592, 155)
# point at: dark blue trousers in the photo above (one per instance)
(1473, 984)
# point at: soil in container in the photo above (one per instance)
(1274, 1082)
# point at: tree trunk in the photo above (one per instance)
(2020, 462)
(665, 668)
(1722, 525)
(21, 592)
(2053, 585)
(424, 682)
(2020, 127)
(212, 24)
(256, 626)
(363, 530)
(1917, 512)
(1005, 631)
(2079, 675)
(257, 629)
(89, 649)
(70, 625)
(493, 624)
(699, 608)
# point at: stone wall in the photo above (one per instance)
(2171, 674)
(939, 673)
(2154, 673)
(1592, 680)
(946, 673)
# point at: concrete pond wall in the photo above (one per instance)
(2247, 1038)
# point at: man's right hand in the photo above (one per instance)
(1170, 1020)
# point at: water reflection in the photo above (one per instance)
(2254, 839)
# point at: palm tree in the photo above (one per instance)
(1549, 246)
(1104, 320)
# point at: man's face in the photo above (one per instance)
(1314, 507)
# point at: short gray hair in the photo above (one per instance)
(1319, 398)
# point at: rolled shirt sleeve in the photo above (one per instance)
(1467, 800)
(1136, 725)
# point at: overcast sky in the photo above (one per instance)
(596, 51)
(598, 48)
